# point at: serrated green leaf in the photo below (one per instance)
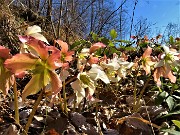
(170, 101)
(113, 34)
(176, 122)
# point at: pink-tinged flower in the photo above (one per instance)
(66, 56)
(163, 66)
(33, 31)
(6, 77)
(86, 57)
(42, 66)
(147, 60)
(93, 60)
(96, 46)
(164, 71)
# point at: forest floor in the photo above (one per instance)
(114, 115)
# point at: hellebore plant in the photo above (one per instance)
(65, 58)
(147, 62)
(88, 79)
(42, 68)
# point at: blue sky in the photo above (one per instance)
(160, 12)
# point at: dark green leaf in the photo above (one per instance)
(113, 50)
(171, 113)
(104, 40)
(160, 98)
(79, 43)
(171, 131)
(143, 45)
(124, 41)
(170, 101)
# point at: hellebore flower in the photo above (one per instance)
(42, 67)
(116, 68)
(65, 55)
(83, 81)
(87, 80)
(33, 31)
(124, 66)
(96, 72)
(147, 60)
(6, 77)
(163, 66)
(86, 57)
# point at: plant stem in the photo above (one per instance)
(70, 80)
(34, 110)
(64, 95)
(173, 89)
(135, 89)
(97, 104)
(61, 104)
(142, 92)
(16, 102)
(135, 86)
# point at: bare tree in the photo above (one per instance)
(172, 29)
(142, 27)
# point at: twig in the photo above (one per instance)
(132, 19)
(141, 119)
(149, 117)
(107, 19)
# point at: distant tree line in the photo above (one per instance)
(75, 19)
